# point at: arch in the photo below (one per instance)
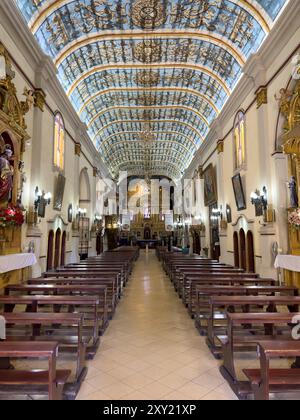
(236, 249)
(141, 107)
(50, 250)
(63, 249)
(57, 248)
(243, 255)
(84, 186)
(250, 252)
(155, 89)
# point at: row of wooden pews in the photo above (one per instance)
(57, 321)
(246, 319)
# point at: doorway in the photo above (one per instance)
(250, 252)
(50, 250)
(236, 249)
(243, 257)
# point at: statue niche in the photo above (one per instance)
(13, 137)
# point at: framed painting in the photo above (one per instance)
(59, 192)
(210, 186)
(239, 192)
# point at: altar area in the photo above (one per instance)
(15, 268)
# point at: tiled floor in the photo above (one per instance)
(151, 349)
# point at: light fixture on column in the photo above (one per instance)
(41, 201)
(260, 201)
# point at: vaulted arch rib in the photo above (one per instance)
(255, 10)
(151, 122)
(214, 39)
(155, 89)
(111, 146)
(196, 67)
(149, 107)
(154, 158)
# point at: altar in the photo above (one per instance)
(290, 264)
(15, 268)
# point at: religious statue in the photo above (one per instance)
(22, 181)
(293, 192)
(6, 174)
(284, 104)
(30, 100)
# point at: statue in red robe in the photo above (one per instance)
(6, 175)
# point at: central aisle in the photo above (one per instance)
(151, 349)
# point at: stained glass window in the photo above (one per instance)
(239, 140)
(59, 142)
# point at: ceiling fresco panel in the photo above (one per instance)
(158, 69)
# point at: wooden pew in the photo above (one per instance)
(234, 342)
(205, 292)
(67, 344)
(241, 304)
(190, 283)
(74, 290)
(110, 282)
(266, 381)
(50, 382)
(86, 275)
(88, 305)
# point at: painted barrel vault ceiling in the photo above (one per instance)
(167, 65)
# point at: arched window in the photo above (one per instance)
(59, 142)
(239, 140)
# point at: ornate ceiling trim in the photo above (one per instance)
(154, 89)
(255, 10)
(215, 39)
(149, 107)
(151, 121)
(190, 66)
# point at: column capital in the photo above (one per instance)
(77, 149)
(39, 99)
(220, 146)
(261, 96)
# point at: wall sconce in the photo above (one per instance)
(260, 201)
(217, 214)
(82, 212)
(41, 201)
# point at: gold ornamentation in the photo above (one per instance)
(148, 14)
(261, 96)
(220, 146)
(39, 99)
(77, 149)
(148, 51)
(147, 78)
(285, 106)
(95, 172)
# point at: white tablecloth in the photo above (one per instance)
(288, 262)
(2, 328)
(16, 262)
